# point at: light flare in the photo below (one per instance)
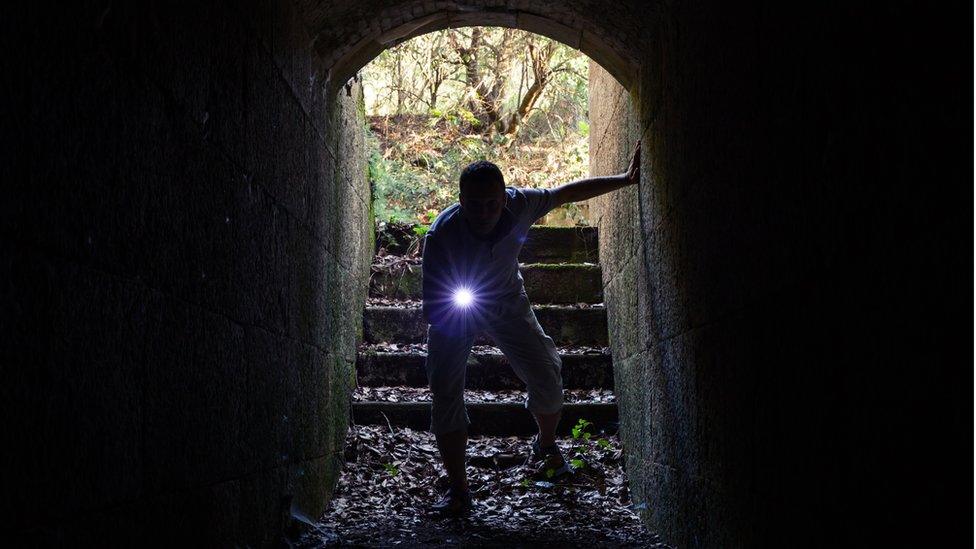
(463, 297)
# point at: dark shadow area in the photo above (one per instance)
(185, 246)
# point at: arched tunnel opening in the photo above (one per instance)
(393, 471)
(186, 248)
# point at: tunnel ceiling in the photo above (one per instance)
(348, 34)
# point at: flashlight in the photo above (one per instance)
(463, 297)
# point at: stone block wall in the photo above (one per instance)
(786, 287)
(614, 131)
(185, 242)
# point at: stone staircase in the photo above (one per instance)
(563, 281)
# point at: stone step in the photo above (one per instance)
(546, 244)
(544, 282)
(487, 418)
(487, 368)
(402, 393)
(566, 325)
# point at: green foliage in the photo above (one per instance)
(468, 117)
(391, 469)
(583, 127)
(423, 128)
(580, 428)
(585, 448)
(428, 217)
(413, 168)
(401, 191)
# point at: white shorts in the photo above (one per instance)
(530, 351)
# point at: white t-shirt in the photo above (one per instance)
(455, 258)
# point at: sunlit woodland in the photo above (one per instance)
(442, 100)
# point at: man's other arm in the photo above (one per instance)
(584, 189)
(435, 280)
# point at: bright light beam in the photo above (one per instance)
(463, 297)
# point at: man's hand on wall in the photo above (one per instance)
(633, 171)
(584, 189)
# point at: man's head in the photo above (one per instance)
(482, 195)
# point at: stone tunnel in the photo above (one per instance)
(186, 233)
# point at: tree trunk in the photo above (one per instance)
(541, 73)
(472, 71)
(398, 82)
(492, 100)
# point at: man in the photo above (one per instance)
(472, 284)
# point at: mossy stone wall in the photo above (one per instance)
(185, 247)
(183, 252)
(785, 289)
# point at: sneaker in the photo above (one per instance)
(454, 503)
(552, 467)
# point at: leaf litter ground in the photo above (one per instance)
(400, 393)
(391, 476)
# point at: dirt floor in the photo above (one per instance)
(391, 476)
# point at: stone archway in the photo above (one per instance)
(175, 282)
(346, 48)
(614, 71)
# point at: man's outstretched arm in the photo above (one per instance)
(584, 189)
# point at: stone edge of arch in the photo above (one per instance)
(341, 69)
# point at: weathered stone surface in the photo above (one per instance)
(487, 418)
(563, 283)
(183, 271)
(406, 283)
(484, 370)
(751, 279)
(560, 245)
(544, 283)
(551, 244)
(73, 382)
(796, 253)
(565, 325)
(349, 35)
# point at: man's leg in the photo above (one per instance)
(447, 357)
(452, 446)
(547, 427)
(536, 362)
